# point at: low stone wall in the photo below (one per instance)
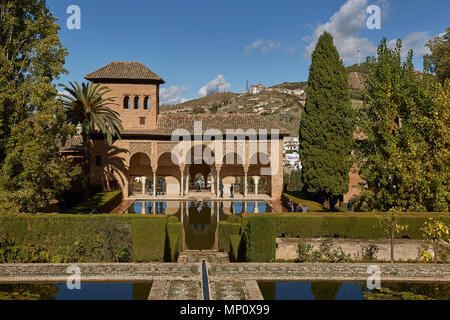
(404, 249)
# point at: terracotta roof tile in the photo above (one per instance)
(73, 145)
(124, 71)
(221, 122)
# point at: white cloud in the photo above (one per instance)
(262, 45)
(345, 26)
(415, 41)
(169, 96)
(219, 84)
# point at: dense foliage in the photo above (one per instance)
(439, 58)
(405, 121)
(32, 121)
(327, 124)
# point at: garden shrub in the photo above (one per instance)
(173, 239)
(259, 238)
(81, 238)
(227, 229)
(235, 241)
(325, 254)
(149, 237)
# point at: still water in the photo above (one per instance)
(328, 290)
(200, 219)
(175, 207)
(88, 291)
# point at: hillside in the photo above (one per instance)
(284, 109)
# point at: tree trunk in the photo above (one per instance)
(86, 165)
(436, 249)
(392, 242)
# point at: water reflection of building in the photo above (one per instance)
(200, 219)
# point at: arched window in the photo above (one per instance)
(137, 102)
(147, 103)
(126, 102)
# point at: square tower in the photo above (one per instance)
(135, 89)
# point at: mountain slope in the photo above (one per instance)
(284, 109)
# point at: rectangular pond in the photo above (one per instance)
(88, 291)
(330, 290)
(175, 207)
(200, 219)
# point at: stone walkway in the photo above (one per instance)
(235, 281)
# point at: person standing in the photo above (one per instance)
(161, 187)
(304, 208)
(232, 190)
(349, 206)
(221, 188)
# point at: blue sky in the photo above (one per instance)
(202, 46)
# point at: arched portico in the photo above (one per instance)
(237, 168)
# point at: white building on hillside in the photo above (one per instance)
(257, 89)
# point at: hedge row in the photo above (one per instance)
(174, 239)
(258, 240)
(82, 238)
(226, 230)
(345, 225)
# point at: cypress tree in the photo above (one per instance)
(327, 124)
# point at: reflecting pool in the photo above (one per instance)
(329, 290)
(88, 291)
(175, 207)
(200, 219)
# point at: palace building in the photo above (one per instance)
(244, 150)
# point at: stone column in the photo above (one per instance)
(143, 179)
(188, 181)
(143, 207)
(182, 181)
(218, 181)
(154, 183)
(212, 181)
(256, 179)
(245, 182)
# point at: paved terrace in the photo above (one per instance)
(226, 281)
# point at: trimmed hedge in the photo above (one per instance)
(227, 229)
(347, 225)
(235, 241)
(173, 239)
(149, 237)
(258, 239)
(102, 202)
(82, 238)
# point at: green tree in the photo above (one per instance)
(435, 232)
(391, 227)
(327, 124)
(32, 121)
(404, 158)
(88, 106)
(439, 59)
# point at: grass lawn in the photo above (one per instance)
(102, 202)
(299, 198)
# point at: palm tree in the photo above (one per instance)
(87, 105)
